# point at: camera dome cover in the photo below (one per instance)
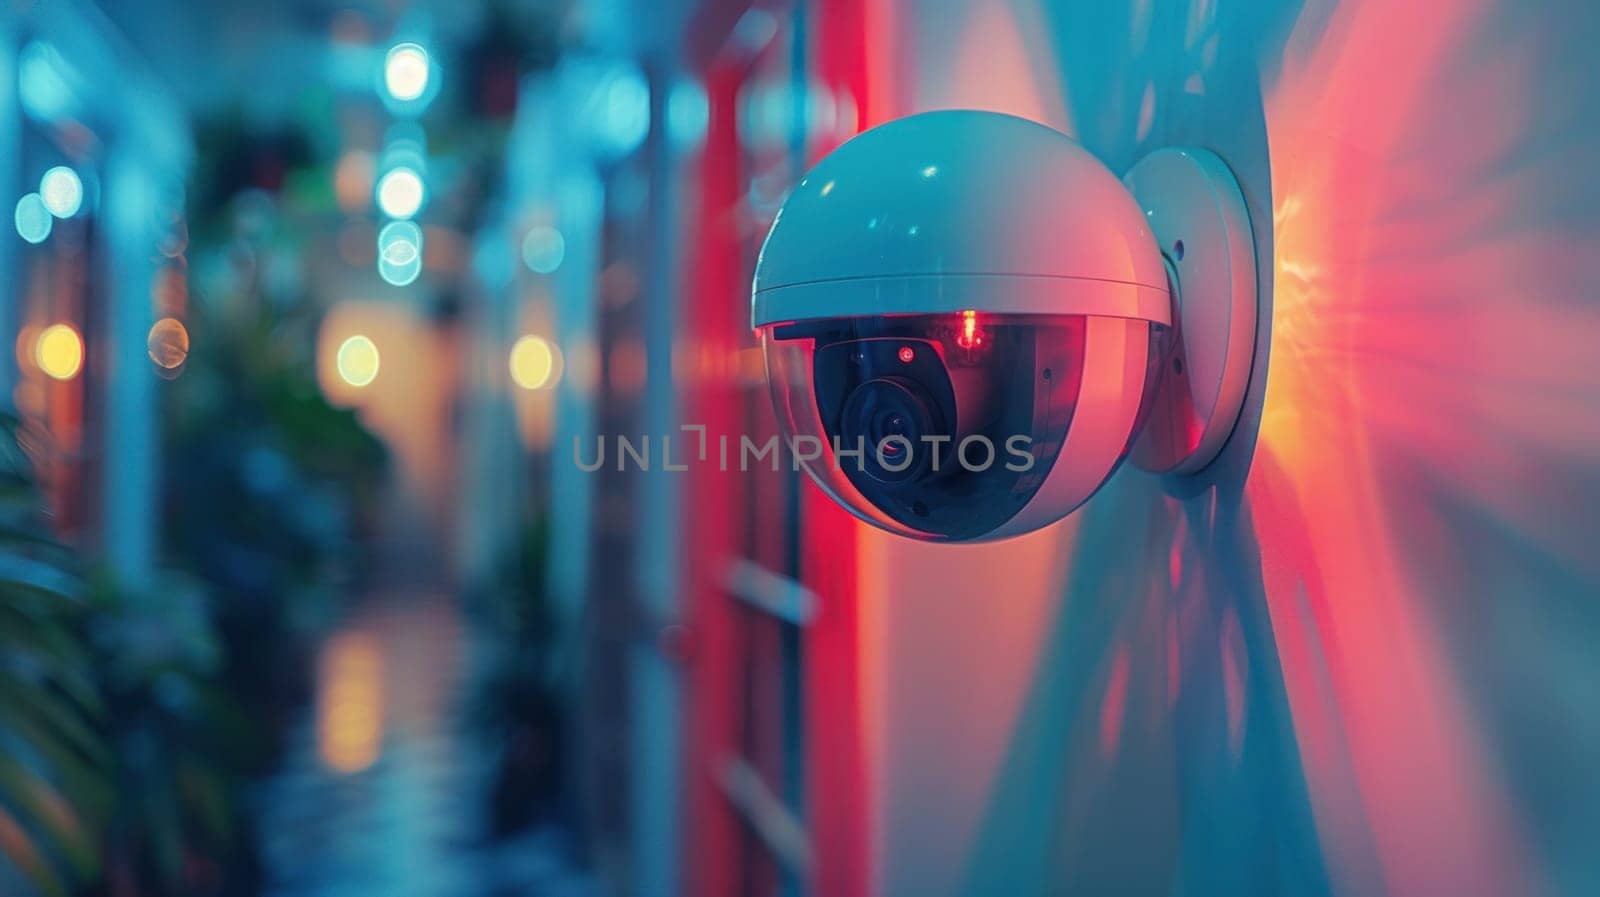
(958, 312)
(923, 214)
(958, 428)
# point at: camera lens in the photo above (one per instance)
(889, 416)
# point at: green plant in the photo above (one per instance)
(517, 699)
(53, 786)
(179, 743)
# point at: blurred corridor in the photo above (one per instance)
(311, 583)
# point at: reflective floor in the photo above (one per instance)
(387, 785)
(384, 783)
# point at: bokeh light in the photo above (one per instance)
(33, 219)
(358, 360)
(27, 342)
(400, 193)
(168, 345)
(29, 398)
(352, 180)
(59, 352)
(62, 191)
(688, 114)
(400, 253)
(44, 82)
(533, 362)
(406, 71)
(623, 118)
(350, 702)
(543, 249)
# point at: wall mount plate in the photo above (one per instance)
(1198, 215)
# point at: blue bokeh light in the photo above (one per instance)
(400, 253)
(543, 249)
(33, 220)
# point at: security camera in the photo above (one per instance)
(977, 321)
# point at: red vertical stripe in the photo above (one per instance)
(837, 800)
(713, 499)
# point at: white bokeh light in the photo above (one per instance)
(62, 191)
(406, 71)
(400, 193)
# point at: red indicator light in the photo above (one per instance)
(969, 336)
(907, 354)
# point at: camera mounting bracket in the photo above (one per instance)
(1198, 215)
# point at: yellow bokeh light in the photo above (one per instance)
(358, 360)
(350, 702)
(59, 352)
(533, 362)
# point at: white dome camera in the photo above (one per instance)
(975, 321)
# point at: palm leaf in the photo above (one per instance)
(37, 576)
(42, 645)
(50, 712)
(84, 781)
(52, 758)
(50, 813)
(19, 845)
